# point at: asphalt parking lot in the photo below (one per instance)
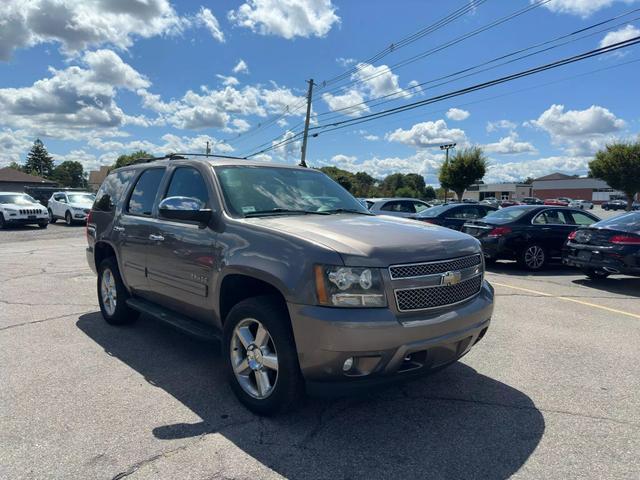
(550, 392)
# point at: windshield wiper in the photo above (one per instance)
(284, 211)
(347, 210)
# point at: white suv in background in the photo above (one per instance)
(21, 209)
(70, 206)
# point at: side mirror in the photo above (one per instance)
(186, 209)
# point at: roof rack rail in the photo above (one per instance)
(183, 156)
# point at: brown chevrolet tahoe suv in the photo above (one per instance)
(305, 288)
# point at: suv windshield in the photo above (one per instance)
(17, 198)
(252, 191)
(81, 197)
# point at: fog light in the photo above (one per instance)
(348, 364)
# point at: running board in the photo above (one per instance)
(180, 322)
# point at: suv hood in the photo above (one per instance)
(81, 205)
(18, 206)
(375, 241)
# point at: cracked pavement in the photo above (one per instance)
(550, 392)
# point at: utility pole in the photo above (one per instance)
(208, 149)
(446, 147)
(303, 157)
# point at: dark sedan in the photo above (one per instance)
(453, 215)
(531, 234)
(606, 247)
(615, 205)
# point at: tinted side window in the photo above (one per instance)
(188, 182)
(391, 207)
(552, 217)
(144, 193)
(582, 219)
(419, 207)
(111, 190)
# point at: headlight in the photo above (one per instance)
(349, 286)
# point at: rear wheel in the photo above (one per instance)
(112, 294)
(2, 222)
(595, 273)
(260, 356)
(533, 257)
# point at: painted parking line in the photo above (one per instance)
(568, 299)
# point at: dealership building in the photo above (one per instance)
(578, 188)
(501, 191)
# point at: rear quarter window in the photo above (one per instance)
(111, 190)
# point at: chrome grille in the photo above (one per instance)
(440, 296)
(430, 268)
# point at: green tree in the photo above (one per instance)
(364, 185)
(343, 177)
(391, 184)
(429, 192)
(619, 165)
(39, 162)
(463, 170)
(416, 183)
(124, 160)
(70, 174)
(16, 166)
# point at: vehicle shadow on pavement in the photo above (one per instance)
(629, 286)
(454, 424)
(513, 268)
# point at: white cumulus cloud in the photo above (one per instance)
(78, 25)
(241, 67)
(428, 134)
(286, 18)
(510, 145)
(583, 8)
(500, 124)
(457, 114)
(518, 171)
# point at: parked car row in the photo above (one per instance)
(18, 208)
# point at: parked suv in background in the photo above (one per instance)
(304, 285)
(73, 207)
(21, 209)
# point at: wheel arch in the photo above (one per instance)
(236, 287)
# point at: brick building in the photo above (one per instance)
(579, 188)
(12, 180)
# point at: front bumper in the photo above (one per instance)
(383, 347)
(26, 220)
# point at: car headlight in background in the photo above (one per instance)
(349, 286)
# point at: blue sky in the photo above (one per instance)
(99, 78)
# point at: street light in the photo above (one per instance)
(446, 147)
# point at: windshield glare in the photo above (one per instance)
(81, 197)
(18, 199)
(506, 214)
(249, 190)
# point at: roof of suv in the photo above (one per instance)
(211, 160)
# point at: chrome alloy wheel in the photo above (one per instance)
(254, 358)
(534, 257)
(108, 291)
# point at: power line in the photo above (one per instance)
(445, 45)
(493, 60)
(480, 86)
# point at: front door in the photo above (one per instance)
(181, 258)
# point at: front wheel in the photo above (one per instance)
(52, 219)
(595, 274)
(533, 257)
(68, 219)
(2, 222)
(260, 356)
(43, 225)
(112, 294)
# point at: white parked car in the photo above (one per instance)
(397, 207)
(583, 204)
(70, 206)
(21, 209)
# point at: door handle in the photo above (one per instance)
(118, 229)
(156, 238)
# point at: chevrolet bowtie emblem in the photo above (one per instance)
(451, 278)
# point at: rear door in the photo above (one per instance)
(551, 227)
(181, 256)
(134, 227)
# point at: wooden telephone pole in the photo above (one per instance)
(303, 157)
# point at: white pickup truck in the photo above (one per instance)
(71, 206)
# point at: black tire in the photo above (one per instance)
(595, 274)
(122, 314)
(533, 257)
(52, 219)
(43, 225)
(3, 224)
(289, 387)
(68, 218)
